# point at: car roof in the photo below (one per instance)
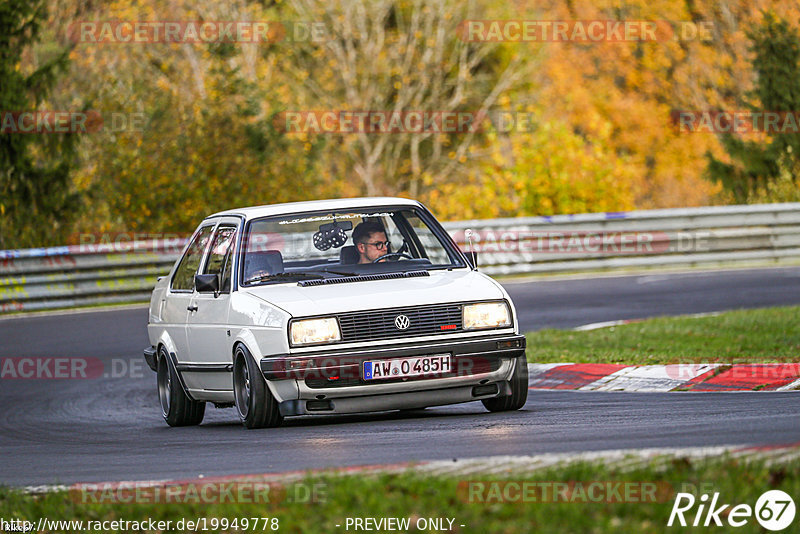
(288, 208)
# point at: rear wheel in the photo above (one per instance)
(519, 390)
(256, 406)
(176, 407)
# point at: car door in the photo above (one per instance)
(207, 333)
(175, 312)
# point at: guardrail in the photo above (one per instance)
(724, 235)
(97, 273)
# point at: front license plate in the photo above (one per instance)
(432, 365)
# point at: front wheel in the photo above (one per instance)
(176, 407)
(519, 390)
(256, 406)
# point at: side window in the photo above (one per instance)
(184, 274)
(433, 248)
(393, 235)
(220, 256)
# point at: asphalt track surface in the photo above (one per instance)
(110, 428)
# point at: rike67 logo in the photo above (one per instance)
(774, 510)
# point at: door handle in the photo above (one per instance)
(191, 308)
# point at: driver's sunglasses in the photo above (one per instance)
(380, 245)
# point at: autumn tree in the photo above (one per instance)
(600, 137)
(201, 141)
(757, 166)
(400, 56)
(36, 199)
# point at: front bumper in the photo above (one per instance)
(408, 400)
(331, 380)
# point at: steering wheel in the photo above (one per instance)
(392, 255)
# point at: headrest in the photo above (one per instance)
(349, 255)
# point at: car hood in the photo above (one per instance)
(439, 287)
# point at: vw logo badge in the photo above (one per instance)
(401, 322)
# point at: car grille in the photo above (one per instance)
(380, 324)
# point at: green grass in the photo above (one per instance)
(413, 496)
(764, 335)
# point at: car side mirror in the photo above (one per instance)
(472, 258)
(206, 283)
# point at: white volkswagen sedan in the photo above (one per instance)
(330, 307)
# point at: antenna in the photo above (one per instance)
(471, 253)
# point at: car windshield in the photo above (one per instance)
(343, 243)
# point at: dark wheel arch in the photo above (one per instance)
(255, 404)
(519, 390)
(177, 407)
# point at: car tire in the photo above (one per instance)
(519, 390)
(255, 404)
(176, 406)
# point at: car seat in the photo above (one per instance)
(348, 255)
(262, 262)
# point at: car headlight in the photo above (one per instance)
(486, 315)
(311, 331)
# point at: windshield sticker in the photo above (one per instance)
(337, 217)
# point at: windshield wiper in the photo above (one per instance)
(284, 276)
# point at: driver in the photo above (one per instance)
(370, 241)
